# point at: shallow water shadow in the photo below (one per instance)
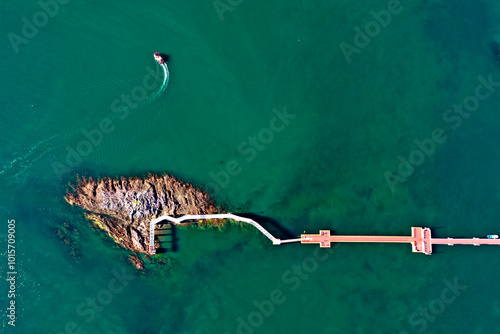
(495, 51)
(271, 225)
(166, 235)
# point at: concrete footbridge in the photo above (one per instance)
(420, 240)
(181, 219)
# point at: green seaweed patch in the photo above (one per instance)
(161, 265)
(211, 224)
(96, 221)
(216, 224)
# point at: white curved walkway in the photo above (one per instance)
(179, 220)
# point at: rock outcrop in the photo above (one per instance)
(124, 207)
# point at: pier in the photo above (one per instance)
(421, 239)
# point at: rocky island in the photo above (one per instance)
(124, 207)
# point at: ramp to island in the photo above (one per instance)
(179, 220)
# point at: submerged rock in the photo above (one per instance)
(124, 207)
(69, 235)
(136, 261)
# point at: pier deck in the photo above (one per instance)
(421, 239)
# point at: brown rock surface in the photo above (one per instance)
(136, 261)
(124, 207)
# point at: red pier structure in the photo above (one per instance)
(421, 240)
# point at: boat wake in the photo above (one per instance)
(153, 97)
(19, 165)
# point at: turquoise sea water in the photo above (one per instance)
(323, 169)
